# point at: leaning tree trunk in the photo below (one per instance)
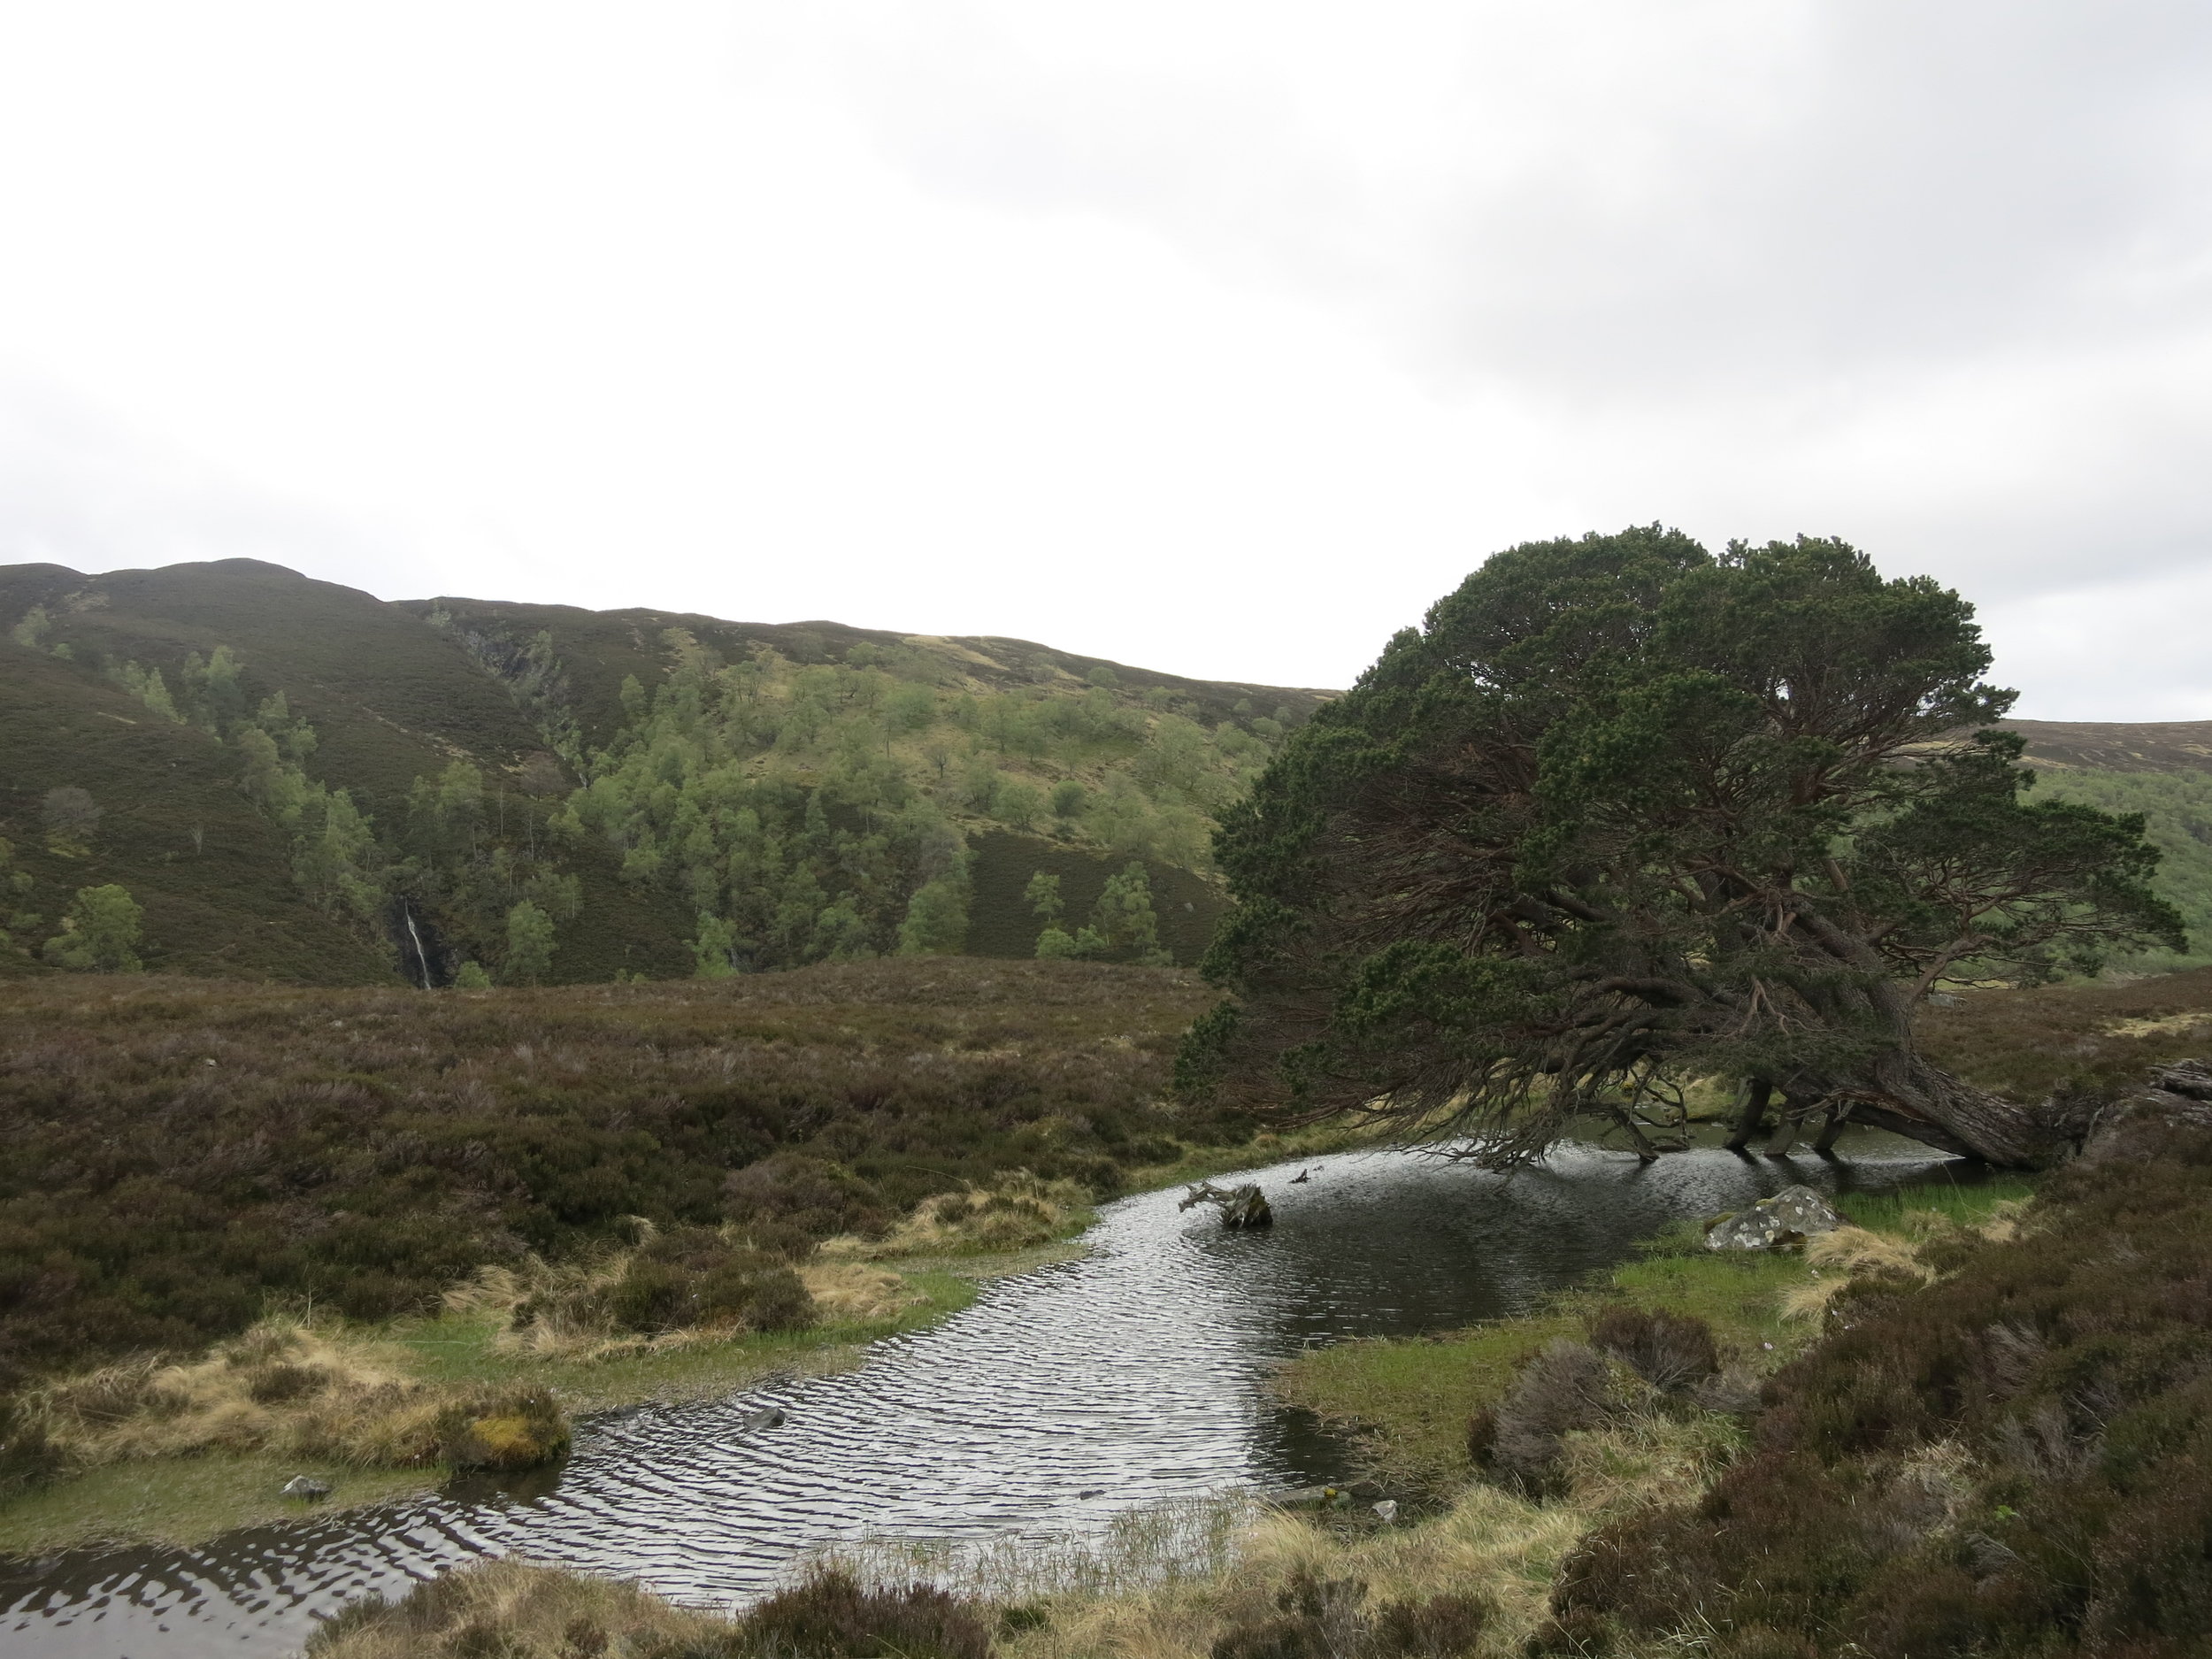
(1904, 1091)
(1900, 1089)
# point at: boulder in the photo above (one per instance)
(306, 1486)
(1780, 1222)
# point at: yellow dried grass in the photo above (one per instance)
(538, 1613)
(1849, 1253)
(1018, 1211)
(853, 1292)
(287, 1386)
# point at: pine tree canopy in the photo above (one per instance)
(1624, 814)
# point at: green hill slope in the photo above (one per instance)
(2164, 772)
(450, 786)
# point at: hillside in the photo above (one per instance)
(298, 781)
(2161, 769)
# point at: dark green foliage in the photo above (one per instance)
(367, 1148)
(1624, 811)
(832, 1617)
(174, 831)
(1003, 920)
(2015, 1461)
(420, 753)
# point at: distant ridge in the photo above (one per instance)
(669, 788)
(2181, 746)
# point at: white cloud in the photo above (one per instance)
(1212, 335)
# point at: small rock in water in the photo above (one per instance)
(1786, 1219)
(306, 1486)
(766, 1417)
(1240, 1206)
(1095, 1492)
(1388, 1509)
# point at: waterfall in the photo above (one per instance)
(421, 960)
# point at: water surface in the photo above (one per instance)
(1062, 1398)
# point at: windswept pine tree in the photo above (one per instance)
(1625, 813)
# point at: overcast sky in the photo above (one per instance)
(1213, 336)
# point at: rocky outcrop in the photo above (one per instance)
(1779, 1223)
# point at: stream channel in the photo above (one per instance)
(1062, 1398)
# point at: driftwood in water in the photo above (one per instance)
(1243, 1206)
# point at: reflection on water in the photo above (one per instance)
(1060, 1399)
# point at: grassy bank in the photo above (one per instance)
(1473, 1575)
(1410, 1400)
(178, 1452)
(188, 1497)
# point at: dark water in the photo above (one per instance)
(1060, 1398)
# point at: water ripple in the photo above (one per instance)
(1059, 1400)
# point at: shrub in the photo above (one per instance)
(28, 1460)
(1320, 1618)
(788, 1201)
(515, 1428)
(1442, 1628)
(1672, 1352)
(1565, 1386)
(1016, 1212)
(2016, 1459)
(689, 1282)
(832, 1617)
(368, 1148)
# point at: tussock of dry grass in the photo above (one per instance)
(295, 1388)
(1166, 1583)
(1016, 1211)
(1848, 1253)
(1490, 1544)
(667, 1291)
(518, 1611)
(852, 1292)
(284, 1386)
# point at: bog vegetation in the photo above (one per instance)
(184, 1155)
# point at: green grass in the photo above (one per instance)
(1410, 1398)
(185, 1500)
(1968, 1206)
(458, 1348)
